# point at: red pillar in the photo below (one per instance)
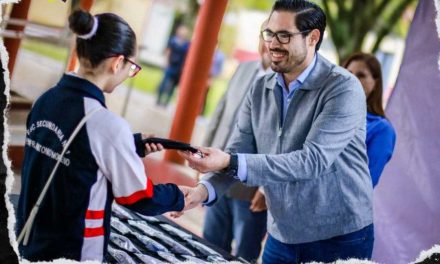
(196, 72)
(19, 11)
(85, 5)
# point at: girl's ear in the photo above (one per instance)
(116, 63)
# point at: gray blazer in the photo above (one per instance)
(314, 168)
(225, 116)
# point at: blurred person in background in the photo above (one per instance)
(381, 136)
(218, 61)
(175, 53)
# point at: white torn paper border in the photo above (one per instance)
(436, 248)
(437, 22)
(9, 174)
(427, 253)
(10, 178)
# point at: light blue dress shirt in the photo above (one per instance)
(287, 97)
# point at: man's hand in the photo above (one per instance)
(214, 159)
(258, 203)
(150, 148)
(193, 197)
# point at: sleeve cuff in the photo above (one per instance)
(261, 190)
(140, 147)
(242, 168)
(211, 192)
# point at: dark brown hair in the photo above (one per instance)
(374, 100)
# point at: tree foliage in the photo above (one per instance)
(350, 21)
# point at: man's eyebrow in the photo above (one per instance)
(279, 32)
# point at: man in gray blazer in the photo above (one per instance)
(240, 214)
(301, 135)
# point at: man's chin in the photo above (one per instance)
(276, 67)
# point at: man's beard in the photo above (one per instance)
(292, 63)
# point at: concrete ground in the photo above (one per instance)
(34, 74)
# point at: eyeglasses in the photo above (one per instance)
(283, 37)
(134, 68)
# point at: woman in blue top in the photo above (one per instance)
(381, 136)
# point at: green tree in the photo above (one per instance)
(350, 21)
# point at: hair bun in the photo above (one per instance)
(81, 22)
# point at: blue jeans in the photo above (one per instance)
(231, 219)
(166, 88)
(358, 244)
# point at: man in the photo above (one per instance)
(176, 54)
(241, 213)
(301, 135)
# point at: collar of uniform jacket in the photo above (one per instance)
(72, 81)
(314, 81)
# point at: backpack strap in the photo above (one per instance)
(26, 231)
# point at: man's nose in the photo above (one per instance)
(274, 43)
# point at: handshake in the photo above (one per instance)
(202, 160)
(213, 160)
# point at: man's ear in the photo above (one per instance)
(116, 63)
(314, 37)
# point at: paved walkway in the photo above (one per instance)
(35, 73)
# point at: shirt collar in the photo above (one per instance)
(261, 71)
(71, 80)
(301, 78)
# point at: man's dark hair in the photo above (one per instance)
(309, 16)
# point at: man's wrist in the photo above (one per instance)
(227, 161)
(203, 191)
(232, 167)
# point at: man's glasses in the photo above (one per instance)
(283, 37)
(134, 68)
